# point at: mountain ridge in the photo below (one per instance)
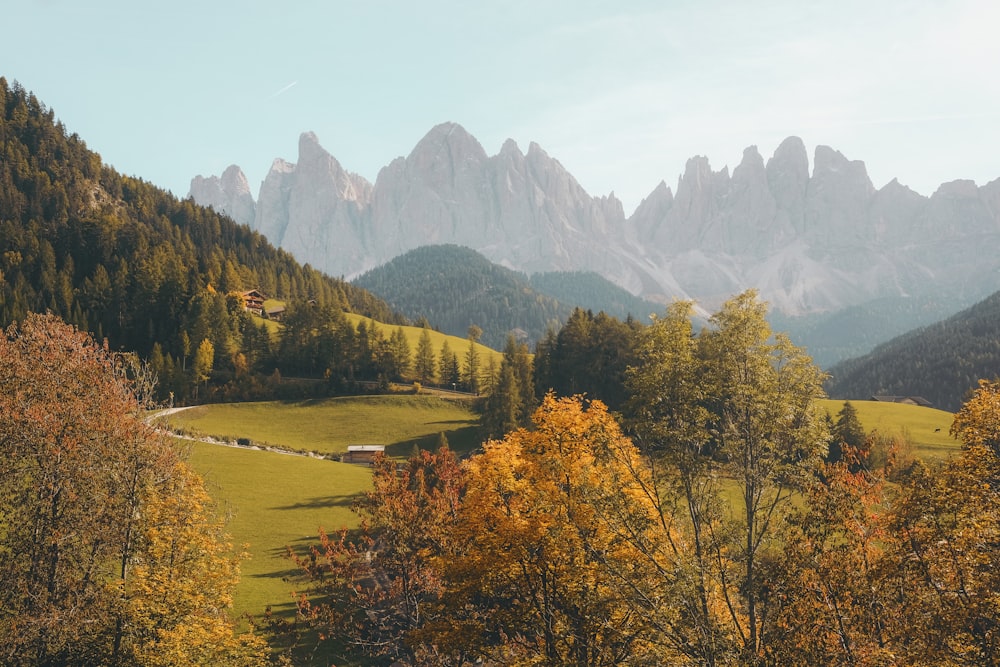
(813, 243)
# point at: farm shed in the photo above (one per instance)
(361, 453)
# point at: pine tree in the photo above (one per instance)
(424, 363)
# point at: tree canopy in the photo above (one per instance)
(110, 552)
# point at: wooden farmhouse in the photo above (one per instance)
(363, 454)
(253, 302)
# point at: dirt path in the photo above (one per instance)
(166, 412)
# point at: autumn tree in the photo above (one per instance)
(80, 475)
(542, 571)
(179, 593)
(977, 424)
(372, 589)
(668, 413)
(945, 566)
(739, 402)
(771, 434)
(833, 601)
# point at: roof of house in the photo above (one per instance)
(366, 448)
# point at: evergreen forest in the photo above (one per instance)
(940, 362)
(151, 274)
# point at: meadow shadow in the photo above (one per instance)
(319, 502)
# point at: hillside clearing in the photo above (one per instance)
(926, 428)
(329, 425)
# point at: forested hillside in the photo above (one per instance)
(941, 362)
(455, 287)
(590, 291)
(854, 331)
(123, 259)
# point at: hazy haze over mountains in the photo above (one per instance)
(813, 242)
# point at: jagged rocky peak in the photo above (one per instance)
(837, 200)
(280, 166)
(751, 163)
(751, 222)
(957, 188)
(790, 157)
(235, 181)
(229, 194)
(447, 142)
(788, 181)
(510, 148)
(831, 164)
(651, 212)
(697, 174)
(310, 150)
(318, 166)
(658, 201)
(751, 174)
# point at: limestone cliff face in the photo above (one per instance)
(818, 242)
(315, 209)
(229, 194)
(810, 242)
(522, 211)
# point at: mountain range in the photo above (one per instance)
(815, 243)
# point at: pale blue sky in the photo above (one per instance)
(622, 93)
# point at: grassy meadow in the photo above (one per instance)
(274, 501)
(926, 428)
(329, 425)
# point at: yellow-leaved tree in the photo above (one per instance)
(182, 580)
(88, 494)
(545, 572)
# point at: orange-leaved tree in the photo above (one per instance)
(374, 586)
(81, 475)
(544, 572)
(947, 558)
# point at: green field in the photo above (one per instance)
(276, 500)
(926, 428)
(329, 425)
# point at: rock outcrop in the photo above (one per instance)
(229, 194)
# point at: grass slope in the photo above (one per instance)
(457, 344)
(276, 500)
(329, 425)
(926, 428)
